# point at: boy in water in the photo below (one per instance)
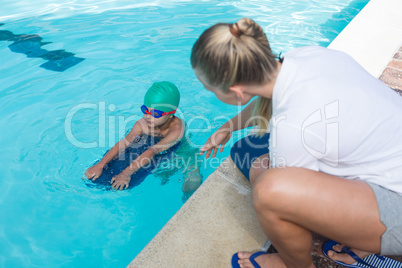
(160, 103)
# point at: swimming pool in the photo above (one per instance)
(50, 218)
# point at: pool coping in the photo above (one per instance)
(218, 219)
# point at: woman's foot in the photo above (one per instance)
(345, 257)
(265, 260)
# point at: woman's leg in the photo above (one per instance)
(291, 203)
(245, 152)
(258, 167)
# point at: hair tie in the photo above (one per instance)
(236, 32)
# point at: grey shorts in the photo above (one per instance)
(390, 207)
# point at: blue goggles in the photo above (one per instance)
(155, 113)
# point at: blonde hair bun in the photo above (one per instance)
(238, 53)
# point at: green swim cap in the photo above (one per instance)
(163, 96)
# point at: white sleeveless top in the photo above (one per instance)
(331, 115)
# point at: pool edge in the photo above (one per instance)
(373, 36)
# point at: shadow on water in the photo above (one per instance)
(31, 45)
(339, 20)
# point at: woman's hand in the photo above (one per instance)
(94, 172)
(219, 138)
(121, 181)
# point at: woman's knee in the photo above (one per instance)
(275, 189)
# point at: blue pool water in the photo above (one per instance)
(55, 123)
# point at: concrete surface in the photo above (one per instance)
(213, 224)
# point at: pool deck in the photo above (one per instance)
(218, 219)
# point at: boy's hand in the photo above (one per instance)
(219, 138)
(94, 172)
(121, 181)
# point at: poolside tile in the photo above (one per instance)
(398, 55)
(392, 78)
(396, 64)
(392, 74)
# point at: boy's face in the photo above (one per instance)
(155, 122)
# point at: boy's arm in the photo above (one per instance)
(175, 134)
(95, 171)
(123, 143)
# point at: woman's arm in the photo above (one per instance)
(241, 120)
(222, 135)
